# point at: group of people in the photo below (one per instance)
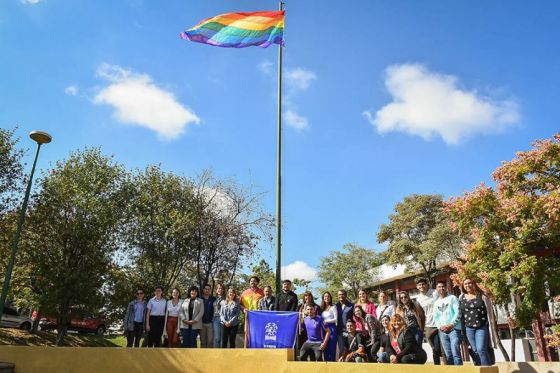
(179, 322)
(329, 331)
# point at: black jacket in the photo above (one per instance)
(286, 301)
(407, 344)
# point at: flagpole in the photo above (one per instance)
(279, 172)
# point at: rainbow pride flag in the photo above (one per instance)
(239, 30)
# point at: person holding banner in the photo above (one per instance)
(317, 336)
(286, 300)
(330, 317)
(249, 299)
(354, 345)
(229, 316)
(266, 303)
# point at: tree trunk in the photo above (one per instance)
(498, 339)
(62, 329)
(513, 337)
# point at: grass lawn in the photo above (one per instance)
(22, 338)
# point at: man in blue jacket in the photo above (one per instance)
(134, 319)
(345, 311)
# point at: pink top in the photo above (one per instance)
(369, 308)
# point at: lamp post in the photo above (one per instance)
(40, 138)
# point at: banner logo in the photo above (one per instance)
(270, 331)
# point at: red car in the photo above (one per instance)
(85, 324)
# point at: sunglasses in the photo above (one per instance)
(140, 293)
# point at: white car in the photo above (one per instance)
(12, 319)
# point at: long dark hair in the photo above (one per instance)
(323, 304)
(477, 288)
(409, 303)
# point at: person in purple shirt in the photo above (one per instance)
(317, 336)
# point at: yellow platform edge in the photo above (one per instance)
(103, 359)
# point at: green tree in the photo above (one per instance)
(160, 225)
(419, 234)
(72, 234)
(11, 178)
(352, 268)
(301, 285)
(11, 171)
(263, 271)
(119, 289)
(512, 232)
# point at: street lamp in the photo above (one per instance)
(40, 138)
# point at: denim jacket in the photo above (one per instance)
(229, 312)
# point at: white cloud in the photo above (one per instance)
(266, 67)
(295, 120)
(299, 78)
(426, 103)
(138, 101)
(300, 270)
(71, 90)
(31, 2)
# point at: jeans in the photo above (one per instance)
(418, 335)
(382, 357)
(478, 339)
(311, 350)
(217, 332)
(451, 343)
(189, 338)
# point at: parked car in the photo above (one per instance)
(12, 319)
(86, 324)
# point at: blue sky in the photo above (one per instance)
(383, 98)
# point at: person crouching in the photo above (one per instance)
(354, 345)
(317, 336)
(401, 346)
